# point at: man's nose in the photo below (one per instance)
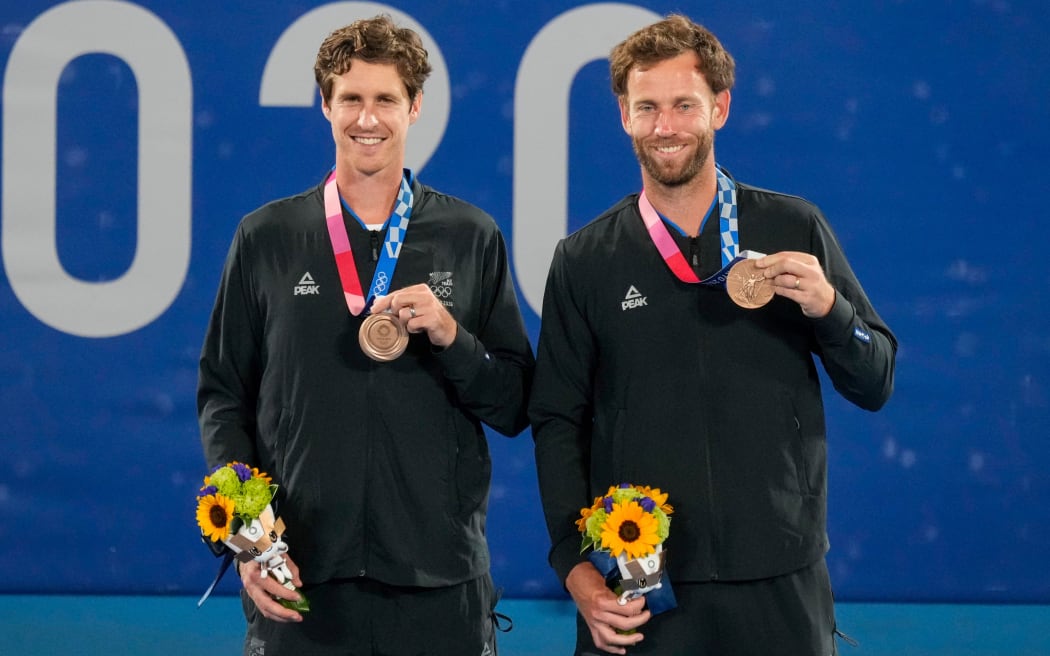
(367, 118)
(663, 124)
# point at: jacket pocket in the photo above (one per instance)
(810, 453)
(471, 465)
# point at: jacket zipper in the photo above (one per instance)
(374, 238)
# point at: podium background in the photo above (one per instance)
(919, 128)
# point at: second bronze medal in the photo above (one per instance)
(383, 337)
(747, 286)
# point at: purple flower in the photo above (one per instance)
(607, 503)
(244, 472)
(624, 486)
(205, 491)
(647, 504)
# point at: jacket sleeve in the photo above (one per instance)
(491, 370)
(561, 413)
(229, 374)
(855, 345)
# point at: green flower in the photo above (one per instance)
(226, 481)
(622, 495)
(254, 496)
(663, 524)
(594, 525)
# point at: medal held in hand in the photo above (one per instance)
(747, 286)
(383, 337)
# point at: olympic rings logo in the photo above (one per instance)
(380, 284)
(441, 291)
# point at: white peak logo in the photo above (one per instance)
(306, 286)
(633, 299)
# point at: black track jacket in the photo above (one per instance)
(644, 379)
(383, 468)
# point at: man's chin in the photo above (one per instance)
(671, 178)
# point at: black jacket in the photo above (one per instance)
(383, 468)
(644, 379)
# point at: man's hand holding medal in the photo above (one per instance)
(415, 309)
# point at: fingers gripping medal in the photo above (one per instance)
(747, 286)
(383, 337)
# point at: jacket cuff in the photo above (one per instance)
(564, 556)
(463, 357)
(837, 326)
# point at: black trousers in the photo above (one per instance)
(362, 617)
(790, 615)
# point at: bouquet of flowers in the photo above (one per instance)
(234, 508)
(626, 529)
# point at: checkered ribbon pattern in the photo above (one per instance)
(727, 224)
(397, 225)
(727, 217)
(395, 236)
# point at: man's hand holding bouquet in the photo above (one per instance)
(624, 530)
(234, 508)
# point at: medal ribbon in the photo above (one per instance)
(344, 257)
(727, 225)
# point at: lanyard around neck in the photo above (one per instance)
(727, 226)
(344, 257)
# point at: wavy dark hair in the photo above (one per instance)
(375, 40)
(666, 39)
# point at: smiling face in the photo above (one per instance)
(671, 115)
(370, 113)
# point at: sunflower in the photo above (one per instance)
(581, 523)
(214, 514)
(630, 529)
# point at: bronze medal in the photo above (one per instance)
(747, 286)
(383, 337)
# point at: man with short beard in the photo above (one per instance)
(675, 354)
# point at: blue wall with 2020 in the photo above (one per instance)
(135, 135)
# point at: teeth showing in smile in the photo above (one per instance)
(669, 149)
(368, 141)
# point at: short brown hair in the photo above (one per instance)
(669, 38)
(377, 41)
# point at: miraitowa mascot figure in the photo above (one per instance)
(263, 542)
(640, 575)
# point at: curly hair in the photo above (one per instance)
(375, 40)
(669, 38)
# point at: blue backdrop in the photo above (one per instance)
(135, 136)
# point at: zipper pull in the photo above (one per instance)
(694, 251)
(374, 234)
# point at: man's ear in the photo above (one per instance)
(325, 109)
(721, 111)
(625, 114)
(415, 107)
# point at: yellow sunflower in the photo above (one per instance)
(581, 523)
(630, 529)
(214, 514)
